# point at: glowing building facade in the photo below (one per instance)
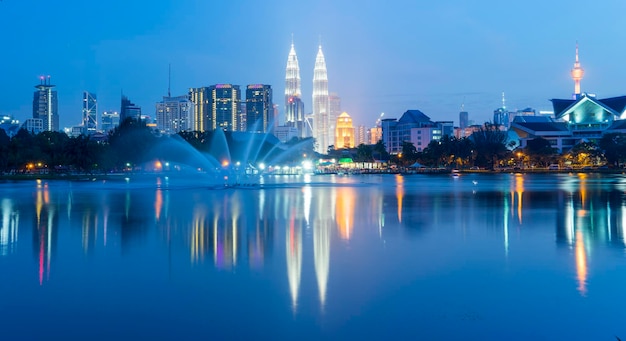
(200, 99)
(294, 107)
(321, 108)
(344, 132)
(224, 103)
(45, 105)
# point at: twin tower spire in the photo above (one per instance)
(294, 108)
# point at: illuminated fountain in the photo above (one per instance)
(239, 159)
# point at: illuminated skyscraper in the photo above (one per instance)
(334, 105)
(224, 101)
(45, 105)
(110, 120)
(174, 114)
(200, 99)
(90, 113)
(259, 108)
(577, 75)
(294, 107)
(321, 108)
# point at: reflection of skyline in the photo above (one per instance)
(9, 227)
(229, 229)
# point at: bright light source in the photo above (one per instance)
(306, 164)
(261, 166)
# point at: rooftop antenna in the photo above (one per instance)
(463, 104)
(503, 101)
(169, 79)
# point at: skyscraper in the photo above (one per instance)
(334, 105)
(174, 114)
(45, 105)
(294, 107)
(501, 115)
(577, 75)
(110, 120)
(129, 110)
(223, 103)
(200, 99)
(321, 109)
(90, 113)
(259, 108)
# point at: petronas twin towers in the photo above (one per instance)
(322, 127)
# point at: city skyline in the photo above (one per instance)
(429, 57)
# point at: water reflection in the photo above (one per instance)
(234, 228)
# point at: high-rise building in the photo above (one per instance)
(45, 105)
(90, 113)
(334, 105)
(224, 101)
(344, 132)
(259, 108)
(200, 99)
(174, 114)
(129, 110)
(294, 107)
(110, 120)
(501, 115)
(321, 109)
(361, 135)
(577, 75)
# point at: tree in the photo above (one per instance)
(614, 147)
(380, 151)
(364, 153)
(540, 152)
(489, 145)
(585, 154)
(131, 142)
(409, 153)
(4, 151)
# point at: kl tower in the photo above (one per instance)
(577, 74)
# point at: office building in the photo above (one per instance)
(223, 104)
(174, 114)
(90, 113)
(200, 99)
(109, 120)
(45, 105)
(259, 108)
(321, 108)
(129, 110)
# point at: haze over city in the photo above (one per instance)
(381, 56)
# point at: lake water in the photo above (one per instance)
(432, 257)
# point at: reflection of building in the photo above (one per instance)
(45, 105)
(344, 132)
(346, 205)
(9, 217)
(293, 248)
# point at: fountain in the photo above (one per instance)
(236, 159)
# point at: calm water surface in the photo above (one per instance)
(491, 257)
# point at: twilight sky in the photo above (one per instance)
(382, 56)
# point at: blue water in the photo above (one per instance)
(432, 257)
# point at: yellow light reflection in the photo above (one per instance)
(399, 194)
(294, 260)
(519, 191)
(346, 202)
(583, 189)
(581, 263)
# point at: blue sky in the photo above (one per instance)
(382, 56)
